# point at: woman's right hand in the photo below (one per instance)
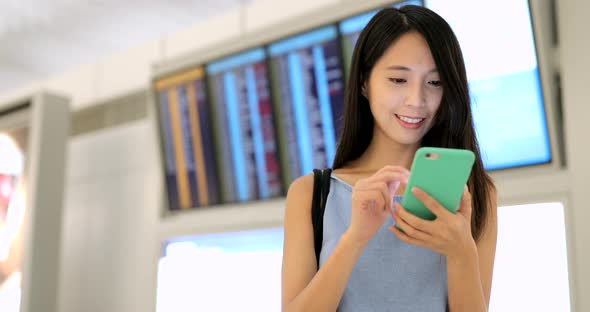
(372, 200)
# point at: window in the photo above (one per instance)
(531, 272)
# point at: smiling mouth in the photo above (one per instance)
(410, 120)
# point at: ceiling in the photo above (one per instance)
(40, 38)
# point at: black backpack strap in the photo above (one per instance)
(321, 188)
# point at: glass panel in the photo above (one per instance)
(531, 272)
(503, 73)
(198, 273)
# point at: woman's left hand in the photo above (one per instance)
(448, 234)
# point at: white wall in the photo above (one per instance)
(111, 208)
(113, 187)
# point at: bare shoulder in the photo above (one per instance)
(300, 193)
(302, 186)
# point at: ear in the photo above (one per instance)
(364, 90)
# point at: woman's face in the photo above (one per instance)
(404, 90)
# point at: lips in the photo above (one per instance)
(410, 122)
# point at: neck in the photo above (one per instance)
(382, 152)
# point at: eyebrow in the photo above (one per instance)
(404, 68)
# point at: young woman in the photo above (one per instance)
(407, 89)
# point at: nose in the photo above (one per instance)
(416, 95)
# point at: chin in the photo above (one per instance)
(406, 141)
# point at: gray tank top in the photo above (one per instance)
(389, 275)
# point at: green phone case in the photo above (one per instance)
(440, 172)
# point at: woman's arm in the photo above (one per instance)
(302, 288)
(469, 264)
(470, 276)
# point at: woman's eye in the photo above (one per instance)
(435, 83)
(397, 80)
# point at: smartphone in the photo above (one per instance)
(440, 172)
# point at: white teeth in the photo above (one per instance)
(410, 120)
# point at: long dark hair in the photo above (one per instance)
(453, 125)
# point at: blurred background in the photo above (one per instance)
(146, 146)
